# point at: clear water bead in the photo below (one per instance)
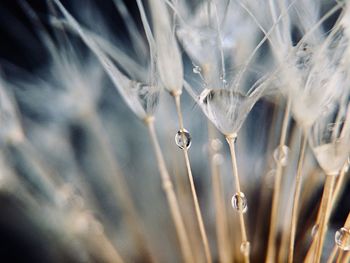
(218, 159)
(197, 70)
(183, 139)
(245, 248)
(239, 202)
(280, 155)
(342, 238)
(216, 145)
(314, 230)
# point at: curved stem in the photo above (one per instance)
(170, 194)
(193, 188)
(296, 197)
(231, 142)
(271, 249)
(324, 214)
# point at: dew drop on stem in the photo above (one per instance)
(342, 238)
(183, 139)
(239, 202)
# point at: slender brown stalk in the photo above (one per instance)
(193, 188)
(333, 254)
(221, 225)
(170, 194)
(104, 248)
(324, 214)
(296, 197)
(131, 217)
(340, 257)
(231, 142)
(339, 185)
(271, 247)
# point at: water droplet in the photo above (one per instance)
(280, 155)
(216, 145)
(197, 70)
(218, 159)
(314, 230)
(183, 139)
(245, 248)
(239, 202)
(347, 165)
(342, 238)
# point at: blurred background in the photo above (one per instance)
(60, 199)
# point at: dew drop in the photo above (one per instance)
(216, 145)
(245, 248)
(197, 70)
(218, 159)
(280, 155)
(314, 230)
(183, 139)
(239, 202)
(342, 238)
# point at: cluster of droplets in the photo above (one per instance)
(342, 238)
(239, 202)
(281, 154)
(183, 139)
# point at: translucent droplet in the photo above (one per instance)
(218, 159)
(245, 248)
(216, 145)
(280, 155)
(239, 202)
(197, 70)
(342, 238)
(183, 139)
(314, 230)
(347, 165)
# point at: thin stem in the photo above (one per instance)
(193, 188)
(231, 142)
(131, 216)
(324, 214)
(221, 225)
(170, 194)
(296, 197)
(336, 249)
(271, 249)
(340, 257)
(103, 246)
(339, 185)
(333, 254)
